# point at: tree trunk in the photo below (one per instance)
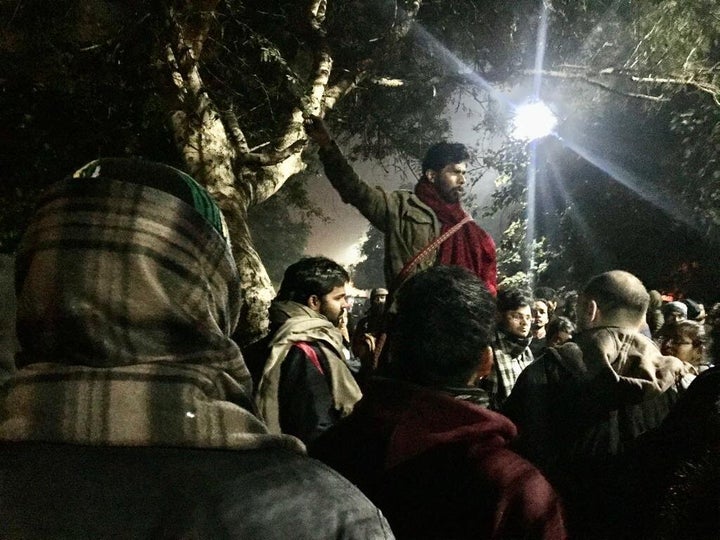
(215, 148)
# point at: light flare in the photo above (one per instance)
(532, 121)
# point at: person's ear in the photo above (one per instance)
(313, 302)
(484, 367)
(591, 311)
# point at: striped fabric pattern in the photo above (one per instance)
(127, 298)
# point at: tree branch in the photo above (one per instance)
(272, 157)
(589, 76)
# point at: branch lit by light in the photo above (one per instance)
(532, 121)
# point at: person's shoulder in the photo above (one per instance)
(317, 502)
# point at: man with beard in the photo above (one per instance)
(424, 227)
(304, 385)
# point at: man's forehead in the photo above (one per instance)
(340, 290)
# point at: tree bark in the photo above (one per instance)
(215, 149)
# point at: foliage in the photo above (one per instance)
(634, 84)
(369, 273)
(632, 179)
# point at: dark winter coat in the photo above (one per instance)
(439, 467)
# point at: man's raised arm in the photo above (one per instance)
(371, 202)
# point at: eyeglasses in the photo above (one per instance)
(517, 317)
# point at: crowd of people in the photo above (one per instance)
(453, 409)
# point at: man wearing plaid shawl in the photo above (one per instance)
(511, 349)
(131, 411)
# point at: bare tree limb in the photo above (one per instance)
(702, 79)
(587, 78)
(272, 157)
(238, 136)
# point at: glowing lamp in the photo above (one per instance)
(532, 121)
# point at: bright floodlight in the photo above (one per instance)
(533, 121)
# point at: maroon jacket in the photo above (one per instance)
(440, 467)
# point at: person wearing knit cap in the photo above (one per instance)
(131, 411)
(675, 312)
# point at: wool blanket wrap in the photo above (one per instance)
(302, 324)
(127, 298)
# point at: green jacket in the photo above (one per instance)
(408, 224)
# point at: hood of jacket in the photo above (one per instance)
(419, 419)
(127, 299)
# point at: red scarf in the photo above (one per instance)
(470, 247)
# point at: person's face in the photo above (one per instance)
(379, 299)
(333, 304)
(681, 346)
(674, 317)
(449, 181)
(540, 315)
(517, 321)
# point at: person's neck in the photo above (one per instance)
(539, 333)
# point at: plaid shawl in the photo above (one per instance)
(511, 357)
(126, 301)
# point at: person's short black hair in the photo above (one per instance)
(444, 318)
(545, 292)
(557, 325)
(443, 153)
(311, 276)
(510, 299)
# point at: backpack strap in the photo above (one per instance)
(305, 347)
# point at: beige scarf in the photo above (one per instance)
(304, 324)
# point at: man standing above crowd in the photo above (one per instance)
(584, 403)
(424, 227)
(305, 385)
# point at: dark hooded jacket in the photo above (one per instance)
(439, 467)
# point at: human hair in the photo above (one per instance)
(693, 330)
(569, 305)
(557, 325)
(545, 292)
(618, 294)
(511, 299)
(444, 320)
(311, 276)
(443, 153)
